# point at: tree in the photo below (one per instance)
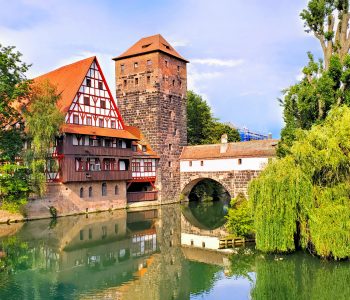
(202, 127)
(303, 199)
(43, 122)
(13, 87)
(320, 18)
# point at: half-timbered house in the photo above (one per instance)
(97, 156)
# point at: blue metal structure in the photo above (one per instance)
(247, 135)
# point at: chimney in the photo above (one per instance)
(224, 145)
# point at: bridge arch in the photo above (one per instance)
(187, 184)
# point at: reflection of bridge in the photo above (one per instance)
(233, 165)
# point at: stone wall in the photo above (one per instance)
(152, 96)
(67, 201)
(235, 182)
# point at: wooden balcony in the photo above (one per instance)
(97, 151)
(81, 176)
(142, 196)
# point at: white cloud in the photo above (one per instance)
(218, 62)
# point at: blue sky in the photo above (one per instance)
(242, 53)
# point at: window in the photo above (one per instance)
(136, 167)
(88, 82)
(108, 143)
(88, 121)
(125, 83)
(239, 161)
(190, 163)
(136, 81)
(112, 124)
(122, 68)
(173, 82)
(100, 85)
(79, 165)
(116, 190)
(75, 119)
(166, 63)
(103, 104)
(144, 148)
(178, 68)
(148, 79)
(149, 62)
(90, 191)
(170, 147)
(86, 100)
(203, 244)
(202, 163)
(148, 166)
(136, 65)
(101, 122)
(81, 193)
(104, 189)
(134, 148)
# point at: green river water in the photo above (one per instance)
(163, 253)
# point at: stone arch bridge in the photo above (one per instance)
(233, 165)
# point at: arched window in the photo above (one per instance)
(104, 189)
(81, 192)
(90, 191)
(116, 190)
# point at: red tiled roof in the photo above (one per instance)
(149, 44)
(67, 80)
(260, 148)
(90, 130)
(142, 141)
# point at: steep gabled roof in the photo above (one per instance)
(150, 44)
(259, 148)
(67, 80)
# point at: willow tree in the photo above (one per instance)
(328, 20)
(43, 121)
(303, 199)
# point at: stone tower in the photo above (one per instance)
(151, 84)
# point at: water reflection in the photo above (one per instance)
(142, 255)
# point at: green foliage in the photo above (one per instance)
(202, 127)
(304, 198)
(240, 218)
(11, 144)
(13, 84)
(207, 190)
(43, 122)
(14, 187)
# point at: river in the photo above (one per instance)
(167, 252)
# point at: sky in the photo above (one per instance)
(242, 53)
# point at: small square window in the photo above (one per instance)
(122, 68)
(113, 124)
(173, 82)
(76, 119)
(240, 161)
(148, 79)
(166, 63)
(149, 62)
(86, 100)
(169, 164)
(100, 85)
(202, 163)
(103, 104)
(134, 148)
(170, 147)
(178, 68)
(125, 83)
(190, 163)
(101, 122)
(88, 82)
(144, 148)
(88, 121)
(136, 65)
(136, 81)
